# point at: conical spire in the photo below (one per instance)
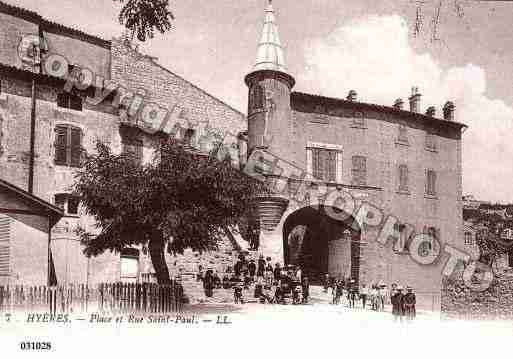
(270, 52)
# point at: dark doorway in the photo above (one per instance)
(307, 233)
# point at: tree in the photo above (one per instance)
(143, 17)
(491, 246)
(180, 200)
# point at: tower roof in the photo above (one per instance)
(270, 51)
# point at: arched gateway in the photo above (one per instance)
(322, 239)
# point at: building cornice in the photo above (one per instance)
(327, 103)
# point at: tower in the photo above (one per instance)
(269, 111)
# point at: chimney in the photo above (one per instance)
(431, 111)
(351, 96)
(398, 104)
(449, 111)
(415, 100)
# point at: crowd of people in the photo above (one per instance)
(272, 283)
(403, 304)
(280, 285)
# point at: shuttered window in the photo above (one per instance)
(403, 178)
(359, 171)
(69, 100)
(324, 164)
(68, 203)
(431, 183)
(431, 144)
(359, 120)
(256, 100)
(402, 136)
(5, 236)
(68, 146)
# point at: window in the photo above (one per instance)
(68, 146)
(324, 164)
(468, 239)
(5, 237)
(431, 183)
(129, 265)
(187, 136)
(359, 171)
(69, 100)
(430, 247)
(134, 148)
(68, 203)
(256, 97)
(403, 178)
(404, 234)
(358, 120)
(431, 142)
(402, 136)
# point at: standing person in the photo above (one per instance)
(326, 282)
(382, 295)
(364, 292)
(352, 293)
(398, 304)
(306, 289)
(334, 292)
(208, 283)
(374, 297)
(237, 292)
(252, 269)
(339, 291)
(277, 272)
(409, 304)
(269, 274)
(258, 287)
(261, 266)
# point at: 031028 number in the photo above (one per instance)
(35, 346)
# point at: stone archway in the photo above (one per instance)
(321, 242)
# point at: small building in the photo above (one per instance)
(26, 222)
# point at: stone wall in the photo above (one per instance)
(459, 301)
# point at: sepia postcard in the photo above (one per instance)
(256, 178)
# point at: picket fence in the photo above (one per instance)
(113, 298)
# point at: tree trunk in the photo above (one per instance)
(156, 249)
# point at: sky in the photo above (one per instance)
(333, 46)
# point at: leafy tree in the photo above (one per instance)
(179, 200)
(491, 246)
(143, 17)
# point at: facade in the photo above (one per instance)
(402, 161)
(67, 124)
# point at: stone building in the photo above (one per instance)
(403, 163)
(126, 89)
(341, 161)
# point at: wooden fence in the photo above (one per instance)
(114, 298)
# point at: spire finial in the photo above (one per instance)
(270, 51)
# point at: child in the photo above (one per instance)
(296, 294)
(237, 293)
